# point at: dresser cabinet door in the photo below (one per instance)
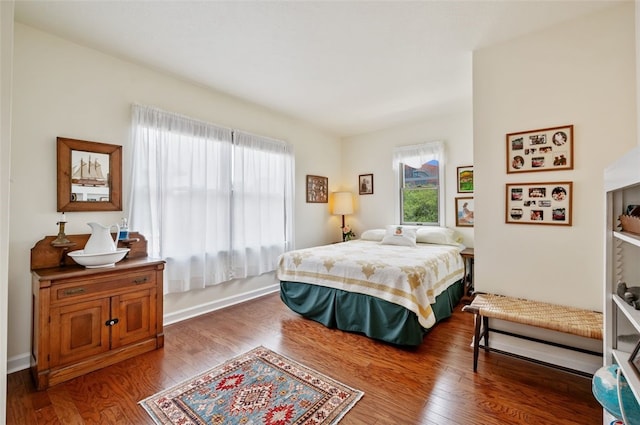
(136, 315)
(79, 331)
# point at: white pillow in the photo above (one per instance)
(375, 235)
(438, 235)
(400, 235)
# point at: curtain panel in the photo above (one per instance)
(416, 155)
(262, 206)
(193, 191)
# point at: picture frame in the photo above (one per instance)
(317, 189)
(546, 149)
(464, 211)
(634, 358)
(465, 179)
(365, 184)
(539, 203)
(89, 176)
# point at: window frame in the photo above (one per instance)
(416, 156)
(438, 189)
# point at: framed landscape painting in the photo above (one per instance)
(465, 179)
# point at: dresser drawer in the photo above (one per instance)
(75, 289)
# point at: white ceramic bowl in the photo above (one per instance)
(92, 261)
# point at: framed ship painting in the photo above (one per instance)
(89, 176)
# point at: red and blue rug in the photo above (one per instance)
(258, 387)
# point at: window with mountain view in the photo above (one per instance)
(420, 193)
(421, 177)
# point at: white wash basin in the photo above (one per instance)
(91, 261)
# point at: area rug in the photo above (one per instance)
(258, 387)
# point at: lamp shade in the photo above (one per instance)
(342, 203)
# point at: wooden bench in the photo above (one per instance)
(554, 317)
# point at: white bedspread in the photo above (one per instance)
(407, 276)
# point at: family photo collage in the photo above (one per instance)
(549, 149)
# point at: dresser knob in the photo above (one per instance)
(111, 322)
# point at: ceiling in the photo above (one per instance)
(347, 67)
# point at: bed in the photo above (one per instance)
(389, 286)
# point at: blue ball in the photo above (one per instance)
(605, 390)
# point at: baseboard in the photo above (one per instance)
(19, 362)
(23, 361)
(201, 309)
(565, 358)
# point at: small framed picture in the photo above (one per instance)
(634, 358)
(547, 149)
(89, 175)
(465, 179)
(464, 211)
(365, 184)
(539, 203)
(317, 189)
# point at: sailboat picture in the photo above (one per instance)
(89, 175)
(89, 168)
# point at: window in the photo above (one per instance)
(421, 190)
(215, 203)
(420, 193)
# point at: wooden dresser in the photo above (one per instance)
(86, 319)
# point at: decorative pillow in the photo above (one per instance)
(375, 235)
(400, 235)
(438, 235)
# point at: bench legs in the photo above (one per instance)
(481, 331)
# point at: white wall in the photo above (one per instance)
(6, 66)
(637, 34)
(580, 73)
(373, 153)
(63, 89)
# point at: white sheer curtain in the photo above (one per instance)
(416, 155)
(262, 203)
(181, 195)
(214, 203)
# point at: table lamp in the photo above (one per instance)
(342, 205)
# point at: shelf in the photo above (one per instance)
(622, 188)
(627, 343)
(630, 373)
(627, 237)
(632, 315)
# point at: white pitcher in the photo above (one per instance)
(100, 241)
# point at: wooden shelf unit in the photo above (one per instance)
(622, 250)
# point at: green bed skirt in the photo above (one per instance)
(361, 313)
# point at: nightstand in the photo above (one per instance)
(467, 255)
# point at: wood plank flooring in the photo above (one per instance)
(433, 384)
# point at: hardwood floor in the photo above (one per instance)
(433, 384)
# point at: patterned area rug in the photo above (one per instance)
(258, 387)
